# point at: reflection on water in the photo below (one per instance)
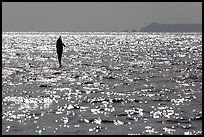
(110, 83)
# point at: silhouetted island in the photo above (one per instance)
(158, 27)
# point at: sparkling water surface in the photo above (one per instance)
(129, 83)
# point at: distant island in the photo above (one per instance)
(158, 27)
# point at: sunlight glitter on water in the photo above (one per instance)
(110, 83)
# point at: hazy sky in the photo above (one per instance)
(95, 16)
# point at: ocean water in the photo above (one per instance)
(110, 83)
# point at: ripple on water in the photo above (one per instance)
(110, 83)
